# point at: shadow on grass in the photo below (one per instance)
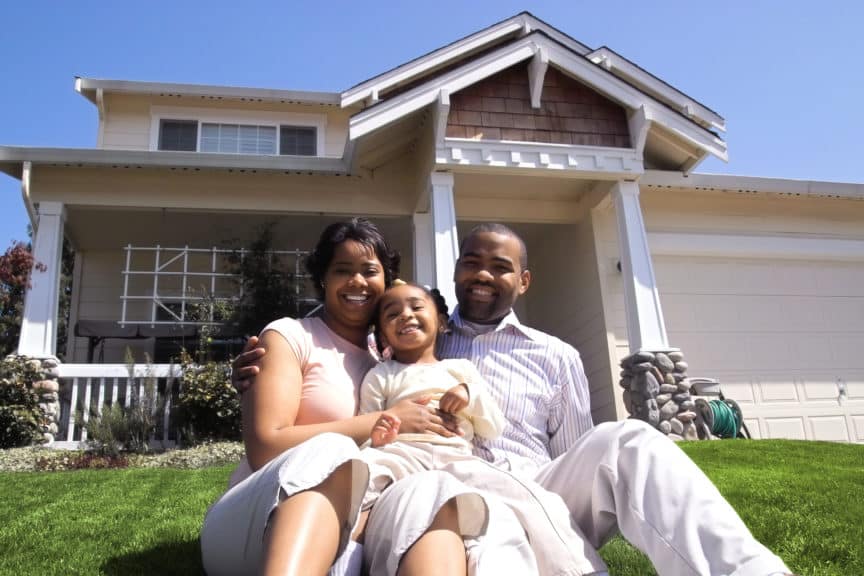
(168, 558)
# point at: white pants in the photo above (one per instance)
(407, 508)
(628, 476)
(559, 547)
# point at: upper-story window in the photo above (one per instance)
(237, 132)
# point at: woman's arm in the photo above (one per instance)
(270, 407)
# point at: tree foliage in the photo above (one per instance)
(16, 265)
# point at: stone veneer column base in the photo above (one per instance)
(47, 385)
(656, 390)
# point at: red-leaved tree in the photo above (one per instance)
(15, 267)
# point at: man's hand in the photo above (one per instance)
(385, 430)
(244, 368)
(418, 418)
(454, 400)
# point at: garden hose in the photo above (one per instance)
(723, 418)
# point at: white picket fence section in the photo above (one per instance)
(88, 388)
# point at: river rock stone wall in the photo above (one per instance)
(656, 390)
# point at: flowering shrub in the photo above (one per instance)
(21, 417)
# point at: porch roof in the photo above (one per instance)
(90, 88)
(12, 159)
(751, 184)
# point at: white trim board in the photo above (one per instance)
(738, 246)
(581, 161)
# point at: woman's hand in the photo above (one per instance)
(416, 417)
(244, 368)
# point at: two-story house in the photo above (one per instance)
(584, 153)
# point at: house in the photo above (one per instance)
(588, 156)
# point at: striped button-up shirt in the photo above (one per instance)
(537, 380)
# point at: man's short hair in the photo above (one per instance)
(498, 228)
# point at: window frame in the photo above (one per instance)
(239, 117)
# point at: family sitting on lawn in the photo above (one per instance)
(539, 498)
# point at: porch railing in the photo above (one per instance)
(87, 389)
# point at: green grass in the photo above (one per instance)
(804, 500)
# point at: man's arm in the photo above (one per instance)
(570, 414)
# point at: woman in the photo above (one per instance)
(292, 504)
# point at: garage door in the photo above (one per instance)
(785, 338)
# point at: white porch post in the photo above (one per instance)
(646, 329)
(39, 324)
(436, 244)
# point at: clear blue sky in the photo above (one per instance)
(786, 74)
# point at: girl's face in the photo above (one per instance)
(409, 323)
(353, 283)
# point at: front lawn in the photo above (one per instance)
(804, 500)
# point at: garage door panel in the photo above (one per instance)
(792, 428)
(778, 389)
(830, 428)
(858, 426)
(820, 388)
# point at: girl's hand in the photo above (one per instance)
(416, 417)
(385, 430)
(454, 400)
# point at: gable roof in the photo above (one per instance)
(536, 44)
(514, 27)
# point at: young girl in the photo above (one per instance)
(408, 322)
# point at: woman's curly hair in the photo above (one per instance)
(360, 230)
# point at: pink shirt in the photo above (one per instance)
(332, 368)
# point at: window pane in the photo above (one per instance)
(298, 140)
(179, 135)
(228, 138)
(209, 137)
(238, 138)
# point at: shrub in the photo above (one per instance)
(130, 428)
(21, 417)
(209, 407)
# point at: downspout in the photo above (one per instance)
(26, 171)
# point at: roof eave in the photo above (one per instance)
(668, 94)
(88, 88)
(12, 159)
(751, 184)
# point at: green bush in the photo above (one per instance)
(209, 407)
(21, 418)
(126, 428)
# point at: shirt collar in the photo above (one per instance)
(510, 321)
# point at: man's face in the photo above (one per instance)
(488, 277)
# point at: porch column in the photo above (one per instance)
(39, 324)
(436, 246)
(646, 329)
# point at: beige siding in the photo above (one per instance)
(127, 123)
(566, 301)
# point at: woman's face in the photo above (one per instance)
(353, 283)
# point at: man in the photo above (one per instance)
(616, 476)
